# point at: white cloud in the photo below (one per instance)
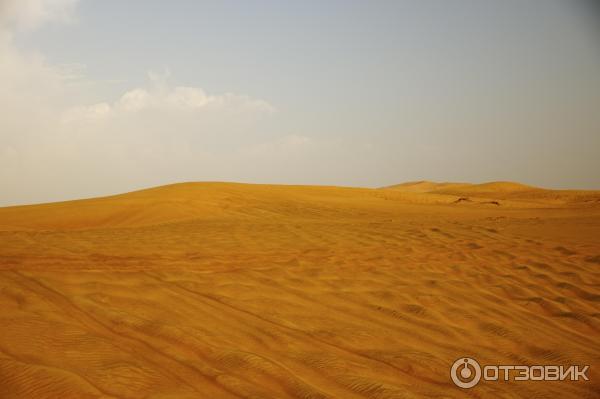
(30, 14)
(54, 147)
(161, 97)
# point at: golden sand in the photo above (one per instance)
(221, 290)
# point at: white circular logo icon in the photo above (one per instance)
(465, 372)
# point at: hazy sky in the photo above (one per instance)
(100, 97)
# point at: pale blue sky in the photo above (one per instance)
(364, 93)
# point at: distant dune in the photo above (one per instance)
(424, 186)
(225, 290)
(186, 201)
(504, 191)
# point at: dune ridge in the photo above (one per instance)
(186, 201)
(225, 290)
(502, 190)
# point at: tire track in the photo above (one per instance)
(375, 363)
(165, 364)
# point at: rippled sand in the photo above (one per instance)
(216, 290)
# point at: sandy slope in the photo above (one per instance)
(218, 290)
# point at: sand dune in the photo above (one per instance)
(424, 186)
(222, 290)
(523, 195)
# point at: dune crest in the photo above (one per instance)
(424, 186)
(209, 200)
(502, 190)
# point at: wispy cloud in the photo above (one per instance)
(52, 148)
(160, 98)
(31, 14)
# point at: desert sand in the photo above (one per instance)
(223, 290)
